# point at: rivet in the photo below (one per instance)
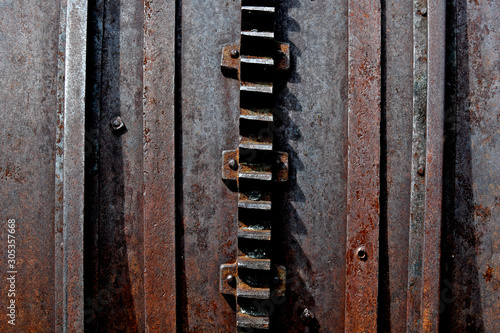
(361, 253)
(233, 164)
(234, 54)
(421, 171)
(117, 123)
(423, 11)
(230, 278)
(307, 315)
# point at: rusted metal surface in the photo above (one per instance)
(31, 94)
(418, 164)
(159, 163)
(471, 281)
(73, 169)
(313, 111)
(115, 266)
(431, 261)
(207, 109)
(250, 278)
(363, 166)
(396, 128)
(230, 58)
(158, 219)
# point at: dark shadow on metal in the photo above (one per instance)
(109, 303)
(287, 221)
(460, 311)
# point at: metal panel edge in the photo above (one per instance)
(434, 166)
(70, 167)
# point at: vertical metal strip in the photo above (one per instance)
(159, 166)
(434, 167)
(363, 185)
(59, 179)
(70, 166)
(417, 201)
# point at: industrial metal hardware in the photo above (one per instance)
(254, 165)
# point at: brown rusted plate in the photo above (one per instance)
(159, 163)
(364, 89)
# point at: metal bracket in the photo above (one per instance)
(276, 171)
(231, 58)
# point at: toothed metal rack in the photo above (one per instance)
(254, 166)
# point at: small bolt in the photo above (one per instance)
(361, 252)
(307, 315)
(117, 123)
(423, 11)
(233, 164)
(230, 278)
(234, 54)
(421, 171)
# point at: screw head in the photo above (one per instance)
(230, 279)
(233, 164)
(234, 54)
(361, 253)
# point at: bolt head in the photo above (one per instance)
(230, 278)
(307, 315)
(234, 54)
(421, 171)
(233, 164)
(423, 11)
(117, 123)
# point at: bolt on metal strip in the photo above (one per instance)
(254, 166)
(418, 166)
(363, 165)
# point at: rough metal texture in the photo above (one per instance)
(73, 168)
(313, 111)
(471, 269)
(116, 300)
(207, 111)
(363, 156)
(396, 128)
(159, 191)
(34, 116)
(431, 261)
(251, 278)
(418, 172)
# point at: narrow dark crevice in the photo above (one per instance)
(180, 265)
(92, 160)
(449, 163)
(384, 299)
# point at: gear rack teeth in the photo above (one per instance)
(255, 165)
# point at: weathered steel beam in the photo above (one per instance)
(70, 167)
(363, 184)
(431, 261)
